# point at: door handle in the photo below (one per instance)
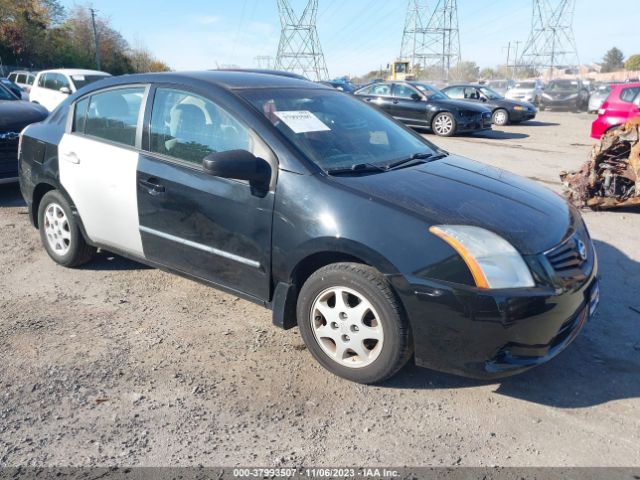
(152, 186)
(71, 157)
(395, 102)
(367, 99)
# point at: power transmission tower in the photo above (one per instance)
(96, 38)
(551, 43)
(432, 43)
(299, 49)
(264, 62)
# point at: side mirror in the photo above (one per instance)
(483, 99)
(239, 165)
(416, 97)
(65, 90)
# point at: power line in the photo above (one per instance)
(299, 49)
(551, 43)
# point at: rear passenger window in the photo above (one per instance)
(113, 115)
(22, 78)
(629, 94)
(80, 115)
(189, 127)
(30, 79)
(12, 77)
(42, 80)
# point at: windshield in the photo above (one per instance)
(82, 80)
(490, 94)
(562, 86)
(6, 94)
(430, 92)
(526, 85)
(334, 130)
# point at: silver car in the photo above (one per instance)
(526, 91)
(598, 97)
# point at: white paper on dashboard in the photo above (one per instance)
(302, 121)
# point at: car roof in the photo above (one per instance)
(75, 71)
(265, 71)
(625, 85)
(226, 79)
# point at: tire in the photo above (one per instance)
(373, 323)
(444, 124)
(59, 232)
(500, 117)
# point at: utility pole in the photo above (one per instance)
(551, 43)
(435, 40)
(299, 49)
(96, 38)
(264, 62)
(508, 56)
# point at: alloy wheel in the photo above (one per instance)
(443, 125)
(57, 229)
(347, 327)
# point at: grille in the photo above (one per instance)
(567, 261)
(8, 157)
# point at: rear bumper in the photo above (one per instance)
(484, 334)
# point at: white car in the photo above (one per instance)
(24, 80)
(52, 87)
(526, 91)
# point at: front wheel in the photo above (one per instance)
(59, 232)
(500, 117)
(353, 324)
(444, 125)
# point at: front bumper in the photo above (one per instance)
(522, 115)
(477, 123)
(492, 334)
(560, 104)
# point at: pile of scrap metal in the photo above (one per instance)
(611, 178)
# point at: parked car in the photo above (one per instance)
(52, 87)
(15, 114)
(526, 91)
(598, 96)
(341, 85)
(23, 79)
(419, 105)
(504, 111)
(377, 244)
(565, 95)
(500, 86)
(15, 89)
(264, 71)
(622, 105)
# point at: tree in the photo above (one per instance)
(465, 71)
(633, 63)
(487, 73)
(613, 60)
(143, 61)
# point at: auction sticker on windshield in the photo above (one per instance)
(302, 121)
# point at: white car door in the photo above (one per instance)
(98, 164)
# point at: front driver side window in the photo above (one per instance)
(402, 91)
(189, 127)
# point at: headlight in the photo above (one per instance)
(493, 262)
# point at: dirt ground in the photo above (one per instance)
(119, 364)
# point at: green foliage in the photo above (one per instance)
(613, 60)
(40, 34)
(633, 63)
(487, 73)
(465, 71)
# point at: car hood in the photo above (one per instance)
(460, 104)
(458, 191)
(17, 114)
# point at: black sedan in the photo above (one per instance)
(419, 105)
(377, 244)
(504, 111)
(565, 95)
(15, 114)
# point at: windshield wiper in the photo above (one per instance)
(357, 168)
(416, 158)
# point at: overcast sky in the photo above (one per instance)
(356, 35)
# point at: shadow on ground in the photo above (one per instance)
(10, 196)
(602, 365)
(500, 135)
(537, 123)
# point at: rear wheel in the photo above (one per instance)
(59, 232)
(353, 324)
(500, 117)
(443, 124)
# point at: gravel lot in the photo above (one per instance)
(119, 364)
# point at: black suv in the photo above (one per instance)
(419, 105)
(377, 244)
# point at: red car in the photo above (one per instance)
(622, 105)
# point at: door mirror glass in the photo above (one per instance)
(238, 165)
